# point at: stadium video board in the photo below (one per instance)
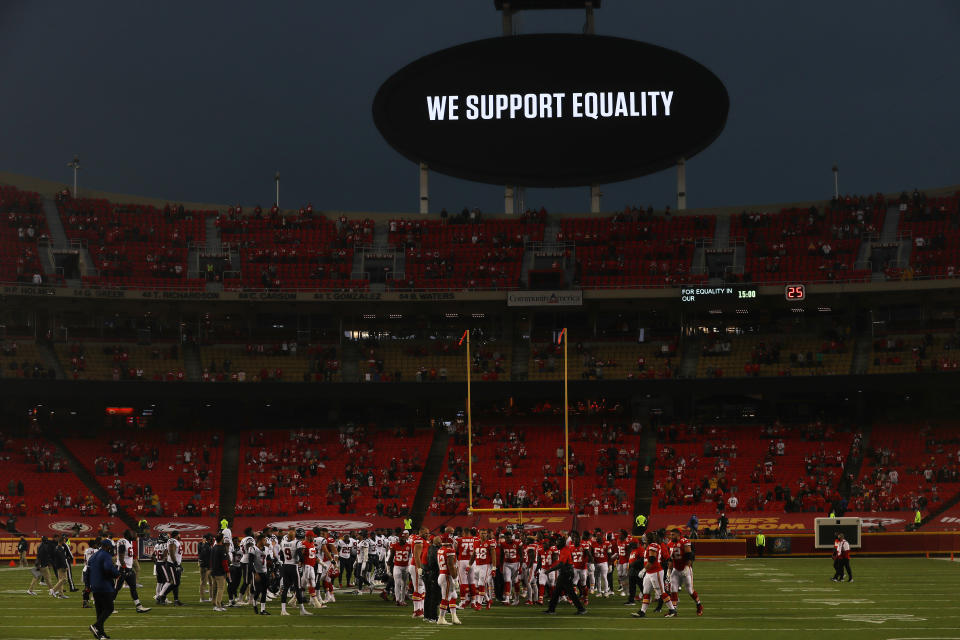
(551, 110)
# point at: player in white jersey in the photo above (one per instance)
(174, 566)
(87, 554)
(291, 553)
(366, 550)
(125, 556)
(272, 551)
(160, 564)
(246, 569)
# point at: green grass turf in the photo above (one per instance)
(769, 598)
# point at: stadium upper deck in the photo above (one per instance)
(124, 242)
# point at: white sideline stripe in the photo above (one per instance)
(872, 628)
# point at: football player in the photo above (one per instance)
(653, 578)
(681, 571)
(246, 571)
(85, 577)
(448, 563)
(308, 578)
(399, 557)
(510, 550)
(465, 554)
(291, 552)
(160, 565)
(124, 559)
(417, 549)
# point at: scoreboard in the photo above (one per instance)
(744, 295)
(719, 295)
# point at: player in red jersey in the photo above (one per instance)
(601, 566)
(681, 569)
(580, 556)
(623, 561)
(400, 557)
(418, 546)
(447, 562)
(510, 553)
(465, 553)
(653, 578)
(531, 568)
(308, 577)
(549, 556)
(485, 558)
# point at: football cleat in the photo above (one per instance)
(639, 614)
(671, 614)
(699, 609)
(581, 612)
(142, 609)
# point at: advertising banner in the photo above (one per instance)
(544, 298)
(750, 522)
(8, 548)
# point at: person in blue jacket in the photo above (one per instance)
(102, 574)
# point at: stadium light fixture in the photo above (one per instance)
(836, 181)
(75, 165)
(276, 183)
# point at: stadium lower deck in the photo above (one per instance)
(762, 598)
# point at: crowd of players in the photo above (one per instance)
(440, 573)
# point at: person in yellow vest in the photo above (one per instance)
(408, 524)
(833, 514)
(761, 544)
(640, 525)
(917, 519)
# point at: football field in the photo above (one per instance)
(911, 598)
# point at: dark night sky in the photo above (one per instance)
(202, 101)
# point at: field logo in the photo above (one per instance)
(873, 523)
(333, 525)
(182, 527)
(64, 526)
(879, 618)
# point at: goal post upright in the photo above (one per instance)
(465, 338)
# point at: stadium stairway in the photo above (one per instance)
(349, 367)
(862, 352)
(50, 359)
(77, 468)
(58, 236)
(431, 473)
(191, 362)
(214, 239)
(646, 457)
(520, 365)
(689, 357)
(229, 474)
(891, 223)
(852, 465)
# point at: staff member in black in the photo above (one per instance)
(22, 547)
(564, 582)
(203, 561)
(64, 548)
(102, 574)
(431, 571)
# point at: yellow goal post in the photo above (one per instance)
(561, 339)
